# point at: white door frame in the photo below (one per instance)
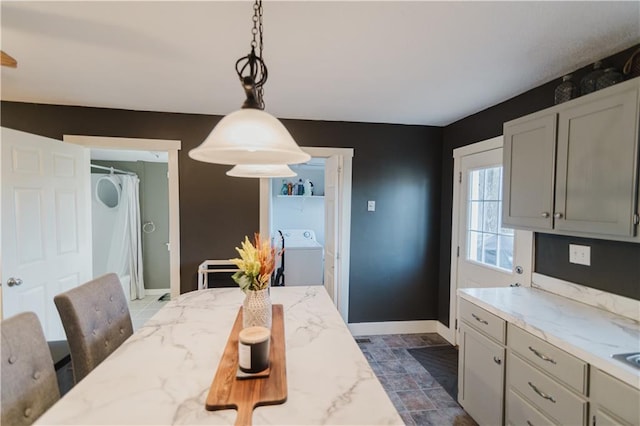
(344, 219)
(171, 147)
(486, 145)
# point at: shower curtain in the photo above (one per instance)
(125, 254)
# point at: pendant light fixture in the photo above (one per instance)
(261, 171)
(250, 136)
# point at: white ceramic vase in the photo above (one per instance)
(256, 309)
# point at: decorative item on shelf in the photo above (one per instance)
(588, 82)
(308, 187)
(610, 77)
(256, 264)
(632, 66)
(566, 90)
(250, 135)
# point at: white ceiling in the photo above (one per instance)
(426, 63)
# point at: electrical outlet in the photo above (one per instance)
(580, 255)
(371, 206)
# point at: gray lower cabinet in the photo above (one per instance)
(519, 412)
(541, 384)
(481, 365)
(552, 381)
(612, 401)
(573, 168)
(550, 397)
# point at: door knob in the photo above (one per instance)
(557, 215)
(545, 214)
(14, 281)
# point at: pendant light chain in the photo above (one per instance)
(261, 87)
(257, 31)
(251, 137)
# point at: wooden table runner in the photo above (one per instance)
(227, 391)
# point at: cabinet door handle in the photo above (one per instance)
(557, 215)
(544, 214)
(497, 360)
(542, 356)
(477, 318)
(542, 394)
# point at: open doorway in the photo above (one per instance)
(336, 209)
(298, 223)
(130, 225)
(156, 148)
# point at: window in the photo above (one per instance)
(487, 241)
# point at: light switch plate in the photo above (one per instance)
(371, 206)
(580, 255)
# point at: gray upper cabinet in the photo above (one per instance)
(529, 161)
(597, 165)
(573, 168)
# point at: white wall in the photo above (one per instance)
(300, 212)
(102, 223)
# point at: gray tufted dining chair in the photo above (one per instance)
(29, 383)
(96, 320)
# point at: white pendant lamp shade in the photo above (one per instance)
(261, 171)
(249, 136)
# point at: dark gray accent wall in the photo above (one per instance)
(613, 264)
(394, 251)
(488, 124)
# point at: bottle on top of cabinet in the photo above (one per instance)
(588, 82)
(566, 90)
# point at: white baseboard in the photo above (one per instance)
(392, 327)
(446, 332)
(156, 291)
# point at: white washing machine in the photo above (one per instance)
(303, 258)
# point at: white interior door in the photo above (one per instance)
(488, 254)
(46, 224)
(331, 264)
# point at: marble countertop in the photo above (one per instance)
(588, 333)
(162, 374)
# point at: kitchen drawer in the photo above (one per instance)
(548, 395)
(520, 412)
(615, 397)
(567, 368)
(483, 321)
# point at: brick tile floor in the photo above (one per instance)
(417, 396)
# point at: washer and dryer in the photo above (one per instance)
(303, 258)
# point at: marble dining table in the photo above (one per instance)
(162, 374)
